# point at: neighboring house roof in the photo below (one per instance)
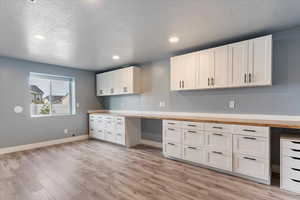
(35, 89)
(56, 99)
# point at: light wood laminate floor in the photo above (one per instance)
(96, 170)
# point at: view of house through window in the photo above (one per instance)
(51, 95)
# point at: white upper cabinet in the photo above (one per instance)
(183, 71)
(119, 82)
(205, 69)
(238, 64)
(260, 61)
(242, 64)
(221, 67)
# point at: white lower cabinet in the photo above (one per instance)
(115, 129)
(290, 163)
(239, 150)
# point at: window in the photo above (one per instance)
(51, 95)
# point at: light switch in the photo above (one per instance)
(162, 104)
(231, 104)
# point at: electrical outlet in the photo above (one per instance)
(231, 104)
(66, 131)
(162, 104)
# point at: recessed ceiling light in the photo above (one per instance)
(116, 57)
(173, 39)
(40, 37)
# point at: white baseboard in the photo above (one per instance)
(276, 169)
(41, 144)
(151, 143)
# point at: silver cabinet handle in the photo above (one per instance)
(245, 78)
(171, 129)
(192, 131)
(191, 125)
(297, 181)
(170, 123)
(194, 148)
(208, 81)
(171, 144)
(217, 127)
(249, 130)
(124, 89)
(247, 158)
(298, 170)
(250, 78)
(179, 84)
(217, 152)
(295, 142)
(101, 91)
(112, 90)
(295, 150)
(249, 138)
(212, 81)
(295, 158)
(182, 84)
(218, 134)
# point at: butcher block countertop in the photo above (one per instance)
(236, 121)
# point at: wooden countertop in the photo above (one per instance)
(236, 121)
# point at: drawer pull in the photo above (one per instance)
(119, 134)
(298, 170)
(295, 142)
(218, 134)
(217, 152)
(92, 129)
(171, 144)
(295, 158)
(192, 131)
(297, 181)
(171, 129)
(296, 150)
(171, 123)
(100, 131)
(217, 127)
(247, 158)
(194, 148)
(249, 130)
(249, 138)
(191, 125)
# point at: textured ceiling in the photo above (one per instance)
(87, 33)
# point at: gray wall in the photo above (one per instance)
(280, 99)
(19, 129)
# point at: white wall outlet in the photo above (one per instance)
(162, 104)
(66, 131)
(231, 104)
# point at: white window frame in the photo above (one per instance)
(51, 77)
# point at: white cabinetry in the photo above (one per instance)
(115, 129)
(184, 71)
(242, 64)
(239, 150)
(290, 163)
(119, 82)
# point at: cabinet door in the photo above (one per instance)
(220, 67)
(188, 72)
(100, 88)
(205, 69)
(125, 81)
(176, 75)
(238, 64)
(260, 61)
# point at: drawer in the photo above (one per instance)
(252, 130)
(194, 154)
(291, 184)
(218, 127)
(194, 138)
(218, 159)
(172, 123)
(173, 150)
(291, 144)
(120, 138)
(291, 152)
(173, 135)
(92, 116)
(109, 136)
(219, 141)
(251, 166)
(251, 145)
(193, 125)
(289, 161)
